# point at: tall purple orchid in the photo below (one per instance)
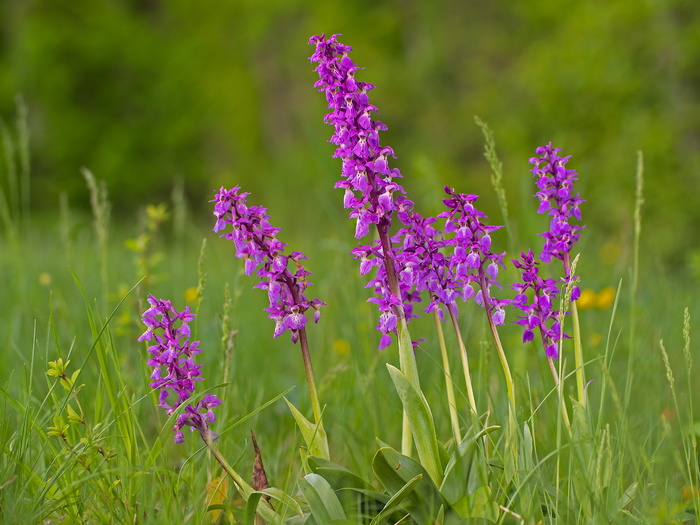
(174, 369)
(371, 191)
(255, 240)
(367, 179)
(557, 198)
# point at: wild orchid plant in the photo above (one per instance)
(175, 372)
(448, 258)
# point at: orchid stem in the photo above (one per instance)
(578, 347)
(502, 357)
(407, 359)
(560, 393)
(448, 381)
(308, 368)
(465, 364)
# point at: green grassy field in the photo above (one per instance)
(93, 448)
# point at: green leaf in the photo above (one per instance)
(478, 505)
(314, 436)
(338, 476)
(251, 508)
(421, 419)
(395, 501)
(285, 499)
(323, 501)
(73, 416)
(466, 471)
(394, 471)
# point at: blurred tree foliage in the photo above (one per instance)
(146, 91)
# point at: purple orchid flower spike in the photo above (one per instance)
(472, 260)
(371, 191)
(539, 314)
(557, 199)
(283, 276)
(174, 369)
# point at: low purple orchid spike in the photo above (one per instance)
(174, 369)
(471, 260)
(539, 314)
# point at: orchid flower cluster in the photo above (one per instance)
(472, 259)
(255, 241)
(368, 181)
(555, 184)
(539, 313)
(174, 369)
(557, 199)
(414, 253)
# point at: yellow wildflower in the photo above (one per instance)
(605, 297)
(191, 294)
(587, 299)
(341, 347)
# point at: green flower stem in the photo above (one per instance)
(448, 381)
(465, 364)
(503, 359)
(578, 356)
(560, 393)
(578, 347)
(264, 508)
(308, 368)
(407, 359)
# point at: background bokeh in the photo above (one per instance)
(146, 92)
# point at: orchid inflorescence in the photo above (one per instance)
(540, 313)
(415, 253)
(555, 184)
(255, 240)
(557, 199)
(174, 369)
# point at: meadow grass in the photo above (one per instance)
(83, 441)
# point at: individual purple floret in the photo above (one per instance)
(557, 198)
(539, 313)
(174, 369)
(255, 240)
(472, 260)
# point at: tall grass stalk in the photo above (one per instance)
(637, 217)
(496, 173)
(101, 210)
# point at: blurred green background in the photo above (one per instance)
(147, 92)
